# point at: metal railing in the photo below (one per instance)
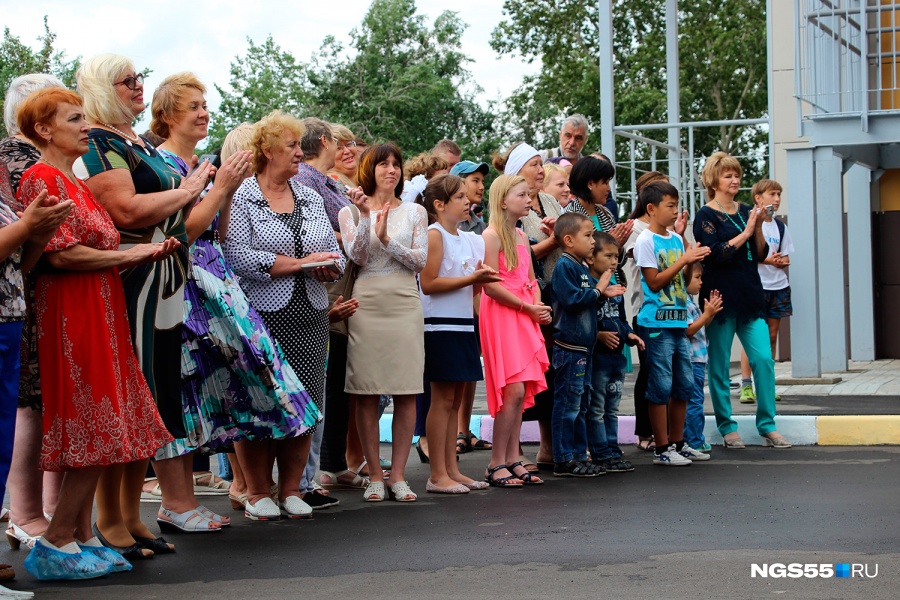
(682, 164)
(847, 57)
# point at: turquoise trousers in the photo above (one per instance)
(754, 336)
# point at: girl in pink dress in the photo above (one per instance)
(515, 357)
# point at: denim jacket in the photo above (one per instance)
(611, 317)
(574, 302)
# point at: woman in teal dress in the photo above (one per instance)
(147, 202)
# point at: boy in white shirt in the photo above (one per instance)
(772, 273)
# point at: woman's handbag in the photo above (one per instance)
(344, 286)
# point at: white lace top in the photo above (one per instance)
(407, 250)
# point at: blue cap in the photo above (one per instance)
(467, 167)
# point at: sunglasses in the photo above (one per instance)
(132, 82)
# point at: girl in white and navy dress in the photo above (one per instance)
(452, 272)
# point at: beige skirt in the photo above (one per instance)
(386, 349)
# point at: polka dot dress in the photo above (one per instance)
(300, 327)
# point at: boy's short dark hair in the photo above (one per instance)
(568, 224)
(689, 270)
(601, 239)
(654, 192)
(589, 169)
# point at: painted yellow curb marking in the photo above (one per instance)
(858, 430)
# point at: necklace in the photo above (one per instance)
(740, 228)
(129, 139)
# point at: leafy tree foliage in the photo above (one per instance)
(400, 80)
(18, 59)
(264, 79)
(722, 58)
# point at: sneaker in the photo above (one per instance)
(691, 454)
(747, 395)
(777, 397)
(573, 468)
(704, 447)
(671, 458)
(617, 465)
(318, 501)
(734, 384)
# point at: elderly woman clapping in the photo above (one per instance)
(282, 246)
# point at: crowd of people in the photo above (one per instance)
(267, 302)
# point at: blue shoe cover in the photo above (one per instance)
(118, 562)
(45, 563)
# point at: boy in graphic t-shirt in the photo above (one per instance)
(776, 287)
(661, 256)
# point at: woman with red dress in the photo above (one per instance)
(98, 410)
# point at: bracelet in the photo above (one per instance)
(521, 306)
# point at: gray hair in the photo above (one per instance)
(577, 121)
(19, 89)
(311, 142)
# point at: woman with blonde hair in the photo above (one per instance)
(281, 245)
(556, 183)
(346, 159)
(147, 202)
(733, 233)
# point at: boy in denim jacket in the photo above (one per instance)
(575, 299)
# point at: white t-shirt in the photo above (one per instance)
(772, 277)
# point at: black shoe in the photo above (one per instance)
(617, 465)
(318, 501)
(574, 468)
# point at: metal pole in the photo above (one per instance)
(607, 109)
(673, 111)
(770, 44)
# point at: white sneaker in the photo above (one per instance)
(671, 458)
(691, 454)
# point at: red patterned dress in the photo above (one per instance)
(98, 409)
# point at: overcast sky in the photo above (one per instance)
(204, 36)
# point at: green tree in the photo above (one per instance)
(405, 81)
(18, 59)
(264, 79)
(722, 56)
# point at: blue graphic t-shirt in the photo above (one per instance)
(668, 306)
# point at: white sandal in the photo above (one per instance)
(332, 481)
(401, 492)
(214, 487)
(375, 492)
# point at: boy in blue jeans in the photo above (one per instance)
(696, 332)
(575, 299)
(608, 377)
(661, 256)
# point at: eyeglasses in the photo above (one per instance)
(132, 81)
(349, 145)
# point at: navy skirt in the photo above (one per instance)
(452, 356)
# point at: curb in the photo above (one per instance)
(801, 430)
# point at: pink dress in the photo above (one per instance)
(511, 342)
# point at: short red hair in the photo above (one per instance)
(41, 107)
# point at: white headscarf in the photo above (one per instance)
(520, 155)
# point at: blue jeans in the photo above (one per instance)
(10, 345)
(607, 380)
(570, 400)
(669, 360)
(694, 420)
(312, 462)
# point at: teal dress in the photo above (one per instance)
(154, 292)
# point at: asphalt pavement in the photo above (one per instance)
(655, 533)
